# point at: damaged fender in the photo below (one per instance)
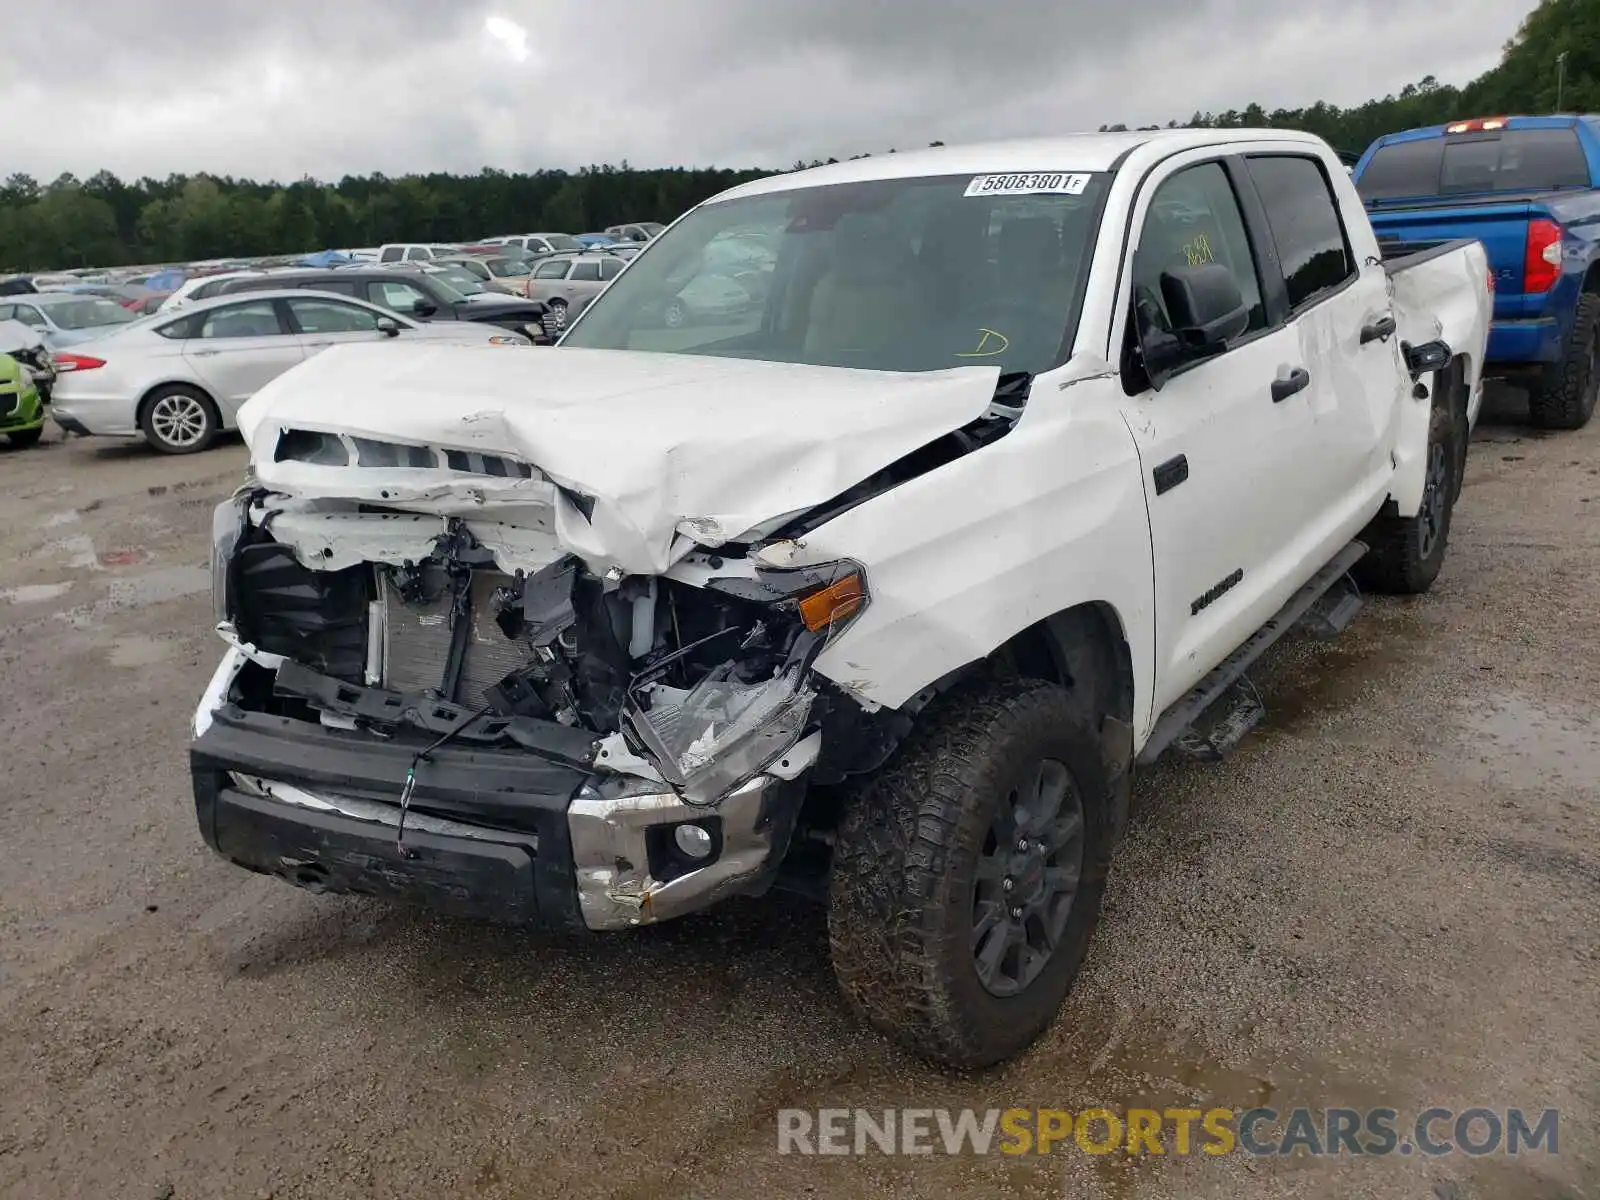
(1046, 520)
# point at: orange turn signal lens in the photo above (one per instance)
(833, 603)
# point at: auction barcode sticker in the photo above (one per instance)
(1056, 183)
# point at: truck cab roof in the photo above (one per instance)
(1072, 152)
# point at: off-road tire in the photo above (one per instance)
(25, 438)
(1400, 559)
(900, 920)
(1565, 398)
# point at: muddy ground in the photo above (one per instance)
(1389, 896)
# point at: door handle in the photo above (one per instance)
(1380, 329)
(1299, 380)
(204, 353)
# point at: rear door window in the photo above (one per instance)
(391, 254)
(586, 270)
(1312, 247)
(610, 269)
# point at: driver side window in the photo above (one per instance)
(1193, 220)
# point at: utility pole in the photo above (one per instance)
(1561, 78)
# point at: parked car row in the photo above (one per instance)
(178, 379)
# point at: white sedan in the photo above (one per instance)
(178, 379)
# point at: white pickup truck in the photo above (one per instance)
(880, 584)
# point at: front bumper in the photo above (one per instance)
(501, 835)
(20, 410)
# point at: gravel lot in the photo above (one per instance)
(1389, 896)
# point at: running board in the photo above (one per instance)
(1244, 710)
(1334, 610)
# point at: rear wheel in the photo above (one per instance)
(1406, 553)
(968, 874)
(179, 420)
(1565, 398)
(676, 314)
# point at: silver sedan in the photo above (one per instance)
(178, 379)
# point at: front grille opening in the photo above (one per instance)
(339, 450)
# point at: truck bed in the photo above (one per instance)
(1402, 256)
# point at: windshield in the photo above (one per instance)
(890, 275)
(87, 312)
(562, 241)
(442, 285)
(1520, 160)
(459, 278)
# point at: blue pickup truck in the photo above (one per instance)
(1528, 188)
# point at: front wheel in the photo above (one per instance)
(24, 438)
(968, 875)
(675, 315)
(179, 420)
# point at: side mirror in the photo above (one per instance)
(1205, 304)
(389, 327)
(424, 308)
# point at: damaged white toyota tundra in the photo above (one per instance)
(860, 538)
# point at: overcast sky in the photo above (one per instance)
(284, 88)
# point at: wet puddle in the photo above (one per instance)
(137, 652)
(76, 550)
(34, 593)
(138, 591)
(1530, 745)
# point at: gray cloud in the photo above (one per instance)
(329, 87)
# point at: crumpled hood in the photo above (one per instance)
(14, 335)
(662, 448)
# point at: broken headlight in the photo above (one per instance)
(228, 525)
(710, 738)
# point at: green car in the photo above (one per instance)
(21, 414)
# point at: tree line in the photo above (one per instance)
(106, 221)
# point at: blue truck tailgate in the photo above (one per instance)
(1501, 227)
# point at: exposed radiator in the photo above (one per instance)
(417, 643)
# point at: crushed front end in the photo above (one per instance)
(461, 713)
